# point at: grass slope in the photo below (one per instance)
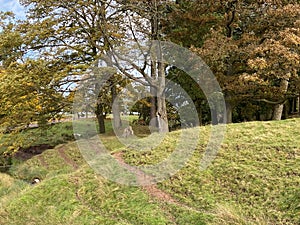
(255, 179)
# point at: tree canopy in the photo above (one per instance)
(252, 47)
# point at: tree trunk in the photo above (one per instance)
(228, 112)
(199, 112)
(153, 121)
(86, 113)
(294, 107)
(99, 111)
(153, 89)
(214, 118)
(161, 100)
(278, 109)
(115, 108)
(285, 114)
(100, 118)
(298, 105)
(153, 92)
(277, 114)
(162, 118)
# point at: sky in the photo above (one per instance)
(14, 6)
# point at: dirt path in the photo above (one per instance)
(68, 160)
(142, 178)
(152, 190)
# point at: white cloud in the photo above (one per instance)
(14, 6)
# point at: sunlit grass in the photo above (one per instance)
(253, 180)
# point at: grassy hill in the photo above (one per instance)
(255, 179)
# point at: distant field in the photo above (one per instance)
(255, 179)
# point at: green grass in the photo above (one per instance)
(258, 163)
(51, 135)
(80, 197)
(255, 179)
(9, 188)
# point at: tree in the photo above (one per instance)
(187, 22)
(277, 55)
(11, 40)
(31, 89)
(144, 25)
(83, 31)
(192, 89)
(254, 52)
(29, 93)
(225, 34)
(77, 32)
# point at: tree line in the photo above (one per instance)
(252, 48)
